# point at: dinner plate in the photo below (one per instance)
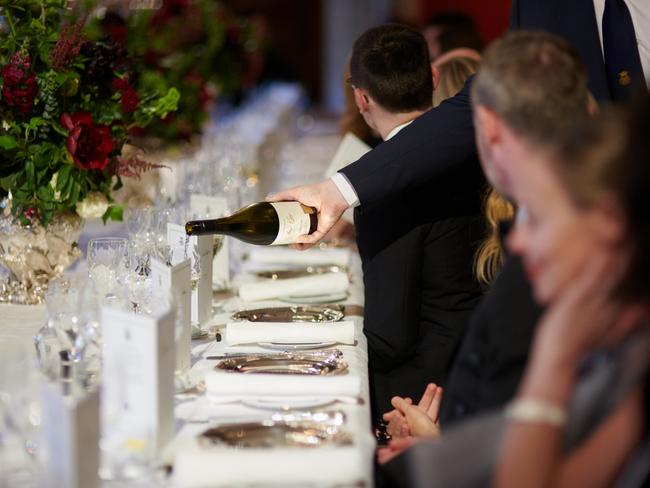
(295, 345)
(313, 299)
(288, 403)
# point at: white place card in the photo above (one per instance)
(138, 375)
(196, 247)
(214, 207)
(71, 436)
(175, 280)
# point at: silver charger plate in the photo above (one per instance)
(291, 314)
(277, 433)
(285, 364)
(282, 274)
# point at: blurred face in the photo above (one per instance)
(556, 239)
(503, 155)
(432, 35)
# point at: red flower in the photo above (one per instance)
(89, 144)
(129, 97)
(19, 88)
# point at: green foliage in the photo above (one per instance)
(36, 165)
(203, 49)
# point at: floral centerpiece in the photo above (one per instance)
(67, 106)
(199, 46)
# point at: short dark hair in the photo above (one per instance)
(535, 82)
(391, 62)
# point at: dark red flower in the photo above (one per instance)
(19, 83)
(68, 45)
(129, 97)
(89, 144)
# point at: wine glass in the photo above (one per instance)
(47, 340)
(107, 264)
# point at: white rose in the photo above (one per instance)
(93, 206)
(57, 194)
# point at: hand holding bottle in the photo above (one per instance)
(328, 201)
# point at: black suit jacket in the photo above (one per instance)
(419, 285)
(493, 355)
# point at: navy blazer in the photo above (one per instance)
(444, 137)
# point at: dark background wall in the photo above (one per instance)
(310, 39)
(491, 16)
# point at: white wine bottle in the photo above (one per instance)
(262, 223)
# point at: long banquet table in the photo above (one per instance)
(194, 466)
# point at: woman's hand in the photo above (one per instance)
(419, 420)
(394, 449)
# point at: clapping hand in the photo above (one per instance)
(419, 420)
(394, 449)
(325, 197)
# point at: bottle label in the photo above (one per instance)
(294, 222)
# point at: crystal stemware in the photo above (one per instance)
(107, 263)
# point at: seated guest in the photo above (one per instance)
(419, 285)
(450, 72)
(584, 241)
(520, 75)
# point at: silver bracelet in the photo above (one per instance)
(534, 411)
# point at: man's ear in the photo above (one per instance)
(361, 99)
(435, 75)
(489, 123)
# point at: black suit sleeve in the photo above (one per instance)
(441, 139)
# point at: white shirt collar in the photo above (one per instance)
(395, 130)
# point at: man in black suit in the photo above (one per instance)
(443, 138)
(419, 284)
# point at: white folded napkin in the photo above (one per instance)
(313, 257)
(236, 386)
(252, 332)
(309, 285)
(348, 465)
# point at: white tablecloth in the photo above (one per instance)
(313, 467)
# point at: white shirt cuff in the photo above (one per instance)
(346, 189)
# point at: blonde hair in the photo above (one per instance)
(490, 255)
(453, 75)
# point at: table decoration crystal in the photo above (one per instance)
(68, 106)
